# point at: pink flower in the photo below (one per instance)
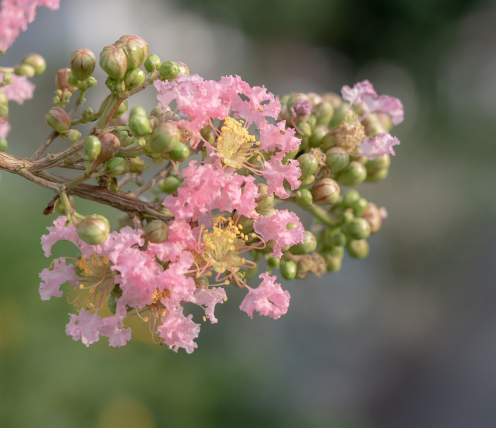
(277, 136)
(180, 238)
(275, 228)
(179, 331)
(111, 327)
(209, 298)
(173, 279)
(4, 128)
(19, 90)
(260, 105)
(276, 172)
(380, 145)
(363, 93)
(268, 298)
(85, 326)
(239, 194)
(120, 241)
(51, 280)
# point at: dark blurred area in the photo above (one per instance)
(403, 339)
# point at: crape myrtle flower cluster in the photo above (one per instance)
(230, 160)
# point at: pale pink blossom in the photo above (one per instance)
(275, 228)
(19, 90)
(179, 331)
(209, 298)
(52, 279)
(239, 194)
(85, 326)
(259, 105)
(173, 279)
(277, 136)
(120, 241)
(356, 94)
(180, 238)
(267, 299)
(276, 172)
(379, 145)
(112, 327)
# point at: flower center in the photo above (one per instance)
(350, 133)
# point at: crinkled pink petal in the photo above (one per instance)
(19, 90)
(209, 298)
(4, 128)
(180, 238)
(179, 331)
(120, 241)
(356, 94)
(268, 298)
(239, 194)
(85, 326)
(380, 145)
(277, 136)
(173, 279)
(276, 172)
(274, 228)
(52, 279)
(201, 186)
(260, 105)
(112, 328)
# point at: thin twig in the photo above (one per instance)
(149, 184)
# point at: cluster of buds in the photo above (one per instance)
(230, 160)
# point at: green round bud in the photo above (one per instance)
(339, 113)
(61, 80)
(110, 145)
(358, 228)
(3, 99)
(304, 130)
(58, 120)
(156, 231)
(91, 81)
(157, 112)
(267, 211)
(272, 262)
(112, 304)
(169, 70)
(337, 159)
(138, 111)
(124, 138)
(334, 237)
(318, 134)
(323, 113)
(290, 155)
(373, 217)
(308, 164)
(308, 245)
(37, 62)
(333, 263)
(307, 181)
(92, 147)
(3, 144)
(359, 206)
(59, 206)
(304, 198)
(328, 141)
(74, 135)
(83, 64)
(165, 137)
(136, 50)
(24, 70)
(372, 125)
(134, 77)
(350, 197)
(136, 165)
(7, 78)
(263, 201)
(380, 162)
(113, 61)
(358, 249)
(115, 166)
(372, 177)
(246, 224)
(152, 63)
(325, 192)
(354, 173)
(179, 153)
(93, 229)
(288, 270)
(170, 184)
(4, 111)
(140, 125)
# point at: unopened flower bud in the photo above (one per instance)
(358, 249)
(61, 80)
(339, 113)
(4, 111)
(156, 231)
(136, 50)
(93, 229)
(350, 197)
(58, 120)
(37, 62)
(303, 130)
(165, 137)
(134, 77)
(74, 135)
(91, 81)
(24, 70)
(169, 70)
(307, 181)
(359, 206)
(318, 134)
(272, 262)
(136, 165)
(337, 159)
(323, 113)
(169, 184)
(140, 125)
(358, 228)
(3, 99)
(179, 153)
(372, 177)
(380, 162)
(288, 270)
(113, 61)
(152, 63)
(328, 141)
(92, 147)
(304, 198)
(267, 211)
(110, 145)
(115, 166)
(334, 237)
(138, 111)
(183, 68)
(308, 164)
(333, 259)
(82, 64)
(300, 109)
(112, 304)
(354, 173)
(246, 224)
(308, 245)
(325, 191)
(3, 144)
(7, 78)
(373, 216)
(264, 201)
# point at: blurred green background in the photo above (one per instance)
(405, 338)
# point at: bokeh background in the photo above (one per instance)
(405, 338)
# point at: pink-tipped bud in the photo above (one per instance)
(110, 145)
(136, 50)
(156, 231)
(93, 229)
(82, 64)
(61, 80)
(325, 192)
(58, 120)
(113, 61)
